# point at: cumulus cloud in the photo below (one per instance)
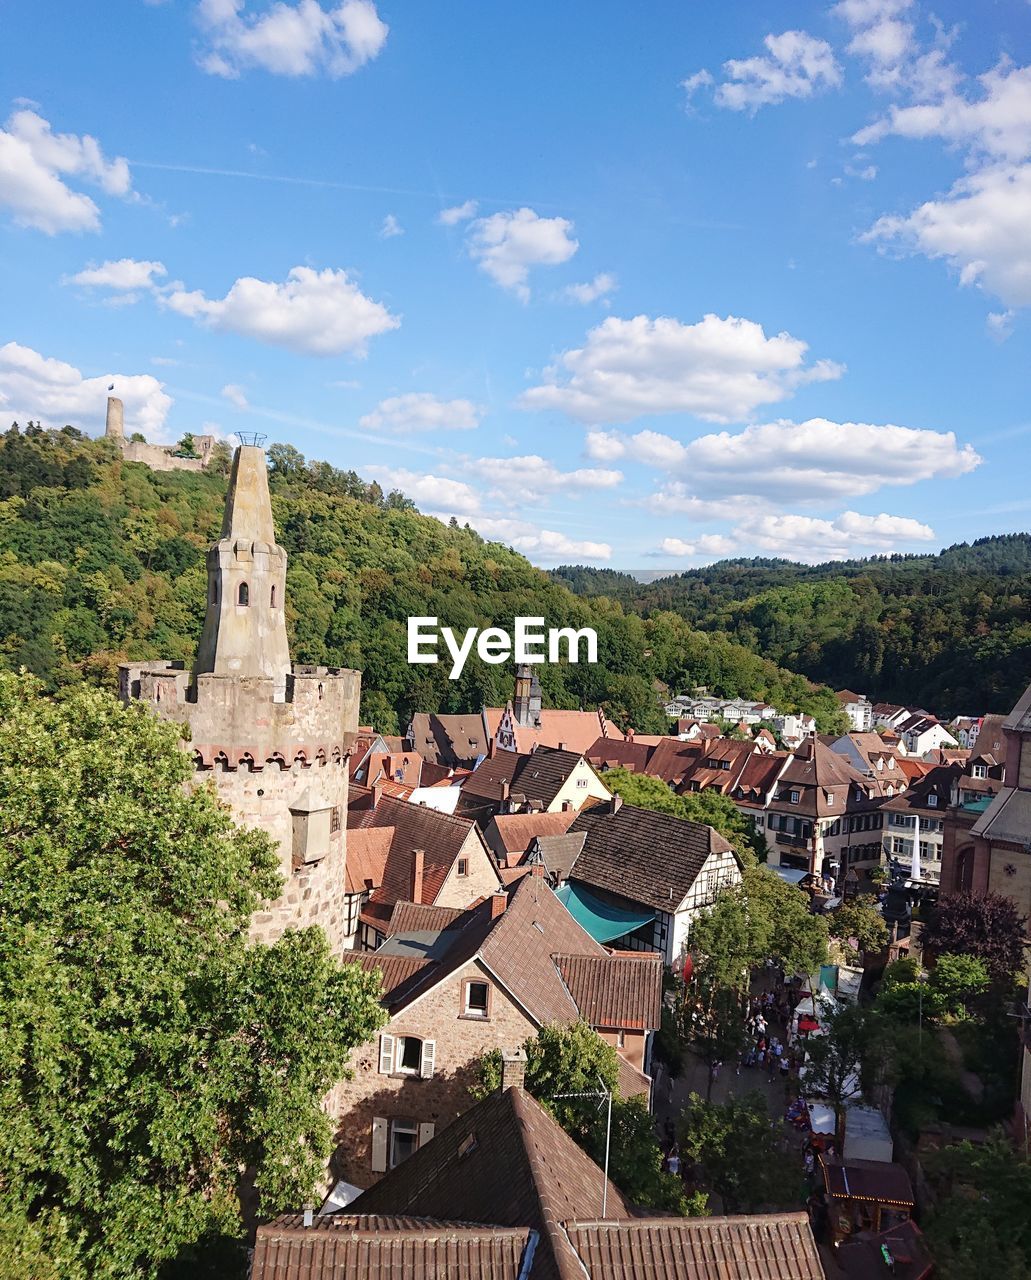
(457, 213)
(676, 547)
(506, 245)
(795, 65)
(48, 390)
(720, 369)
(709, 544)
(430, 492)
(981, 228)
(125, 275)
(545, 546)
(422, 411)
(676, 499)
(34, 162)
(522, 479)
(321, 313)
(235, 395)
(810, 539)
(390, 228)
(997, 124)
(882, 36)
(600, 287)
(299, 39)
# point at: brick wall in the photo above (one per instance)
(459, 1043)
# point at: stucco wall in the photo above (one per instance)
(576, 794)
(482, 880)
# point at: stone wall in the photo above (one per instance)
(459, 1043)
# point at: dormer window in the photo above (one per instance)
(932, 801)
(243, 595)
(794, 797)
(891, 762)
(979, 771)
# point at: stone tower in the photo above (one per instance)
(526, 698)
(114, 427)
(274, 738)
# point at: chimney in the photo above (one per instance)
(418, 864)
(377, 791)
(563, 746)
(309, 1214)
(506, 788)
(115, 426)
(567, 806)
(513, 1070)
(629, 735)
(498, 903)
(617, 802)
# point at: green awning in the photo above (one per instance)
(603, 921)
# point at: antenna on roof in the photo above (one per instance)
(603, 1095)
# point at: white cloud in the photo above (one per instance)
(982, 229)
(820, 459)
(457, 213)
(998, 124)
(676, 499)
(299, 39)
(390, 228)
(810, 539)
(1000, 324)
(882, 37)
(542, 545)
(795, 65)
(124, 275)
(33, 164)
(600, 287)
(719, 369)
(700, 80)
(422, 411)
(521, 479)
(430, 492)
(677, 547)
(48, 390)
(235, 395)
(506, 245)
(321, 313)
(709, 544)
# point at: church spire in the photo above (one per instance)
(245, 625)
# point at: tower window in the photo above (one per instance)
(272, 601)
(214, 591)
(243, 596)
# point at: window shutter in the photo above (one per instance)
(429, 1052)
(386, 1054)
(425, 1134)
(379, 1144)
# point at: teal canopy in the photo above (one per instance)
(601, 919)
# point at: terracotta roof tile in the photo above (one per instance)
(409, 916)
(505, 1161)
(366, 857)
(515, 831)
(576, 729)
(449, 740)
(768, 1246)
(617, 992)
(399, 973)
(346, 1247)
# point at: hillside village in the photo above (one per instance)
(521, 882)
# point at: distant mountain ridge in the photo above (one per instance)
(951, 630)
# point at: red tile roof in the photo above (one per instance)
(407, 917)
(615, 992)
(398, 973)
(516, 830)
(349, 1247)
(768, 1246)
(366, 858)
(577, 730)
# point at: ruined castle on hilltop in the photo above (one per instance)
(159, 457)
(273, 737)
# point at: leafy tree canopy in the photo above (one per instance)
(989, 927)
(859, 926)
(575, 1059)
(743, 1153)
(150, 1054)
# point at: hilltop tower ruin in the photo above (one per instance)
(274, 737)
(159, 457)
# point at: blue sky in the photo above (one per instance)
(632, 286)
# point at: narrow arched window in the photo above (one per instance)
(273, 599)
(214, 591)
(243, 596)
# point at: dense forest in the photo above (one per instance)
(102, 561)
(951, 632)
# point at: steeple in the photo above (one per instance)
(245, 626)
(526, 699)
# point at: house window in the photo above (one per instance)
(243, 596)
(406, 1055)
(463, 866)
(979, 771)
(581, 782)
(394, 1141)
(404, 1140)
(932, 801)
(620, 1039)
(477, 1000)
(830, 797)
(794, 797)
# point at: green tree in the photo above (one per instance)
(186, 448)
(958, 980)
(155, 1068)
(989, 927)
(981, 1226)
(845, 1059)
(859, 926)
(575, 1060)
(743, 1153)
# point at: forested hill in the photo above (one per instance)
(951, 632)
(103, 561)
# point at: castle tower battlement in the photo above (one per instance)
(274, 739)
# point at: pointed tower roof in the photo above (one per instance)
(248, 512)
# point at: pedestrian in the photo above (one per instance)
(785, 1066)
(771, 1066)
(673, 1161)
